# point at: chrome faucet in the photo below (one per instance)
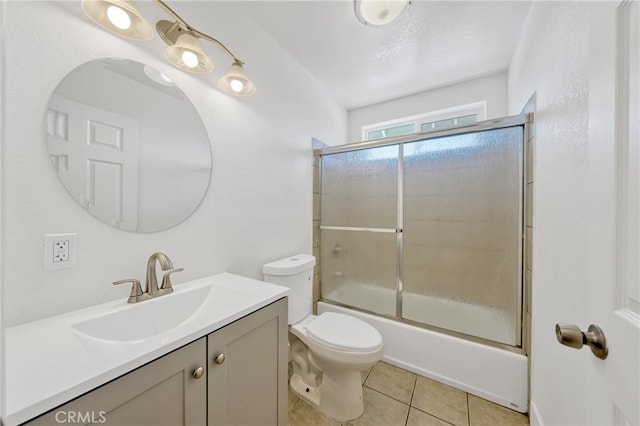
(151, 289)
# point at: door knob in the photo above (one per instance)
(571, 335)
(219, 359)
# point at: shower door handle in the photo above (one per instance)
(571, 335)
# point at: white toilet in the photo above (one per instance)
(329, 350)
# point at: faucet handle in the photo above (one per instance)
(166, 280)
(136, 290)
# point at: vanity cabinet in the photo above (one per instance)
(243, 382)
(247, 377)
(163, 392)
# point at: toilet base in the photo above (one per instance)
(338, 397)
(308, 393)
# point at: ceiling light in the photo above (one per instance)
(236, 82)
(187, 55)
(120, 17)
(157, 76)
(379, 12)
(184, 51)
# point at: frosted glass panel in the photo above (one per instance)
(462, 210)
(359, 269)
(360, 188)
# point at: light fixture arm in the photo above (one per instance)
(175, 16)
(182, 23)
(222, 46)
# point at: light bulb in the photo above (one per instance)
(118, 17)
(190, 59)
(236, 85)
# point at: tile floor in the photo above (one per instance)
(393, 396)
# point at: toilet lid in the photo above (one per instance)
(344, 332)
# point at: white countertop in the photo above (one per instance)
(48, 362)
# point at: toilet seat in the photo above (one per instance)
(344, 333)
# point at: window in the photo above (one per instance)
(403, 129)
(435, 120)
(449, 122)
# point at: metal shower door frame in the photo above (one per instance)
(524, 121)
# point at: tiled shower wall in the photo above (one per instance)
(527, 265)
(528, 238)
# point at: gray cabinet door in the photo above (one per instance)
(163, 392)
(250, 387)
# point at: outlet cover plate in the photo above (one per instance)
(59, 251)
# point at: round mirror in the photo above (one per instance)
(128, 145)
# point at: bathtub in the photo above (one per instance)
(497, 375)
(486, 322)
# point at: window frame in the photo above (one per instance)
(475, 108)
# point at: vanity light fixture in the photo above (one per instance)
(236, 82)
(187, 54)
(183, 50)
(120, 17)
(379, 12)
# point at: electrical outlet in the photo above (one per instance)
(59, 251)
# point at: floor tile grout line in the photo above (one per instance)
(468, 410)
(388, 396)
(432, 415)
(413, 390)
(415, 377)
(368, 373)
(294, 404)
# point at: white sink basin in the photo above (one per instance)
(140, 321)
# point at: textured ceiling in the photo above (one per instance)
(433, 44)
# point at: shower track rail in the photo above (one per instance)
(498, 123)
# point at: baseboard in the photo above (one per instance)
(534, 415)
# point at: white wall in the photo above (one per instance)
(257, 208)
(492, 89)
(2, 138)
(552, 61)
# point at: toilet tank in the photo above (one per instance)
(296, 273)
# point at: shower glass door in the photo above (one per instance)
(359, 210)
(462, 233)
(428, 229)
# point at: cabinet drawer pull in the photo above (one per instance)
(198, 372)
(219, 359)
